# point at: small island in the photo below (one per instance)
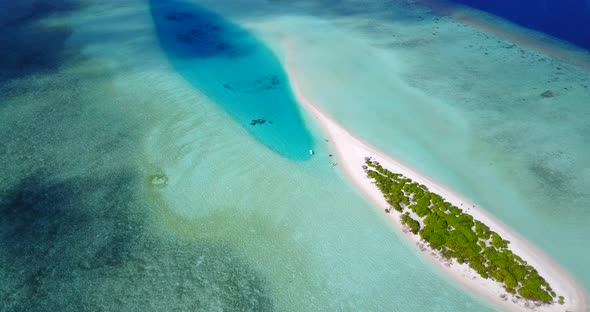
(471, 246)
(457, 235)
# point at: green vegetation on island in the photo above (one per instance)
(456, 235)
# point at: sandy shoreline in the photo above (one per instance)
(350, 152)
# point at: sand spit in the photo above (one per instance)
(350, 153)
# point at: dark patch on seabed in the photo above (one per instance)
(254, 86)
(554, 182)
(27, 46)
(77, 245)
(48, 230)
(197, 33)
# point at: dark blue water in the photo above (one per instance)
(235, 70)
(565, 19)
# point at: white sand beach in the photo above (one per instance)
(350, 152)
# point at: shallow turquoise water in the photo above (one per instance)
(475, 120)
(238, 226)
(103, 99)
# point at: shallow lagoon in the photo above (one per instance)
(236, 71)
(234, 226)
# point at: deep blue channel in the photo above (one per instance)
(565, 19)
(236, 71)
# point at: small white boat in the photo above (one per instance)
(310, 152)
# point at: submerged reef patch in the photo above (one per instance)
(260, 121)
(179, 17)
(197, 33)
(258, 85)
(158, 180)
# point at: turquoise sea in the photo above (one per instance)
(154, 158)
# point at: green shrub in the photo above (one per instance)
(457, 235)
(412, 224)
(396, 206)
(510, 280)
